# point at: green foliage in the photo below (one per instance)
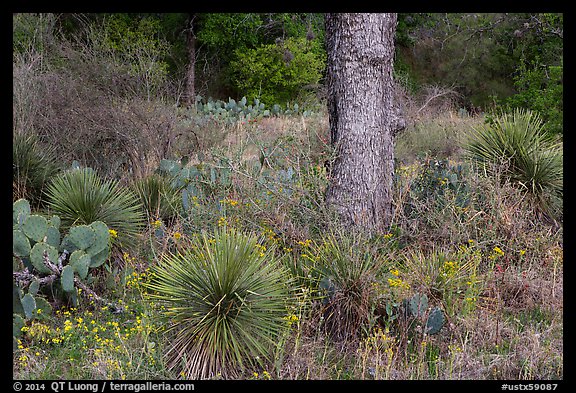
(32, 167)
(31, 32)
(229, 31)
(417, 308)
(515, 145)
(278, 72)
(540, 90)
(437, 178)
(57, 265)
(139, 45)
(346, 267)
(80, 196)
(224, 301)
(159, 199)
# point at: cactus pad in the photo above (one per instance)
(99, 258)
(67, 278)
(435, 321)
(82, 236)
(37, 256)
(53, 236)
(29, 305)
(418, 305)
(35, 227)
(20, 244)
(17, 324)
(101, 238)
(80, 261)
(20, 210)
(33, 287)
(55, 222)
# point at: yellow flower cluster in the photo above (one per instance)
(262, 249)
(113, 233)
(305, 243)
(398, 283)
(496, 252)
(449, 268)
(290, 319)
(231, 202)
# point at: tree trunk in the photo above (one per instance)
(363, 116)
(190, 91)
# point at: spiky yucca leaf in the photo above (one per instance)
(225, 299)
(347, 265)
(159, 199)
(530, 157)
(81, 196)
(32, 168)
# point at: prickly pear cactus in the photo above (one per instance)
(49, 260)
(418, 305)
(435, 321)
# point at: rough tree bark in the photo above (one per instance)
(363, 117)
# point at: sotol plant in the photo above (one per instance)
(80, 196)
(531, 158)
(224, 298)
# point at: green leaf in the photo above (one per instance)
(82, 236)
(20, 244)
(37, 256)
(67, 278)
(80, 261)
(35, 227)
(29, 305)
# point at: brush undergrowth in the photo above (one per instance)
(468, 246)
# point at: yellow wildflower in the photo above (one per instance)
(113, 233)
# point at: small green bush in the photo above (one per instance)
(32, 167)
(540, 89)
(277, 73)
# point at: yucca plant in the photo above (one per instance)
(32, 168)
(348, 266)
(159, 199)
(81, 196)
(224, 301)
(530, 158)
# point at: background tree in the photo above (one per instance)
(362, 116)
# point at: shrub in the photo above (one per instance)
(32, 168)
(277, 73)
(540, 89)
(348, 266)
(532, 158)
(225, 298)
(158, 198)
(80, 196)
